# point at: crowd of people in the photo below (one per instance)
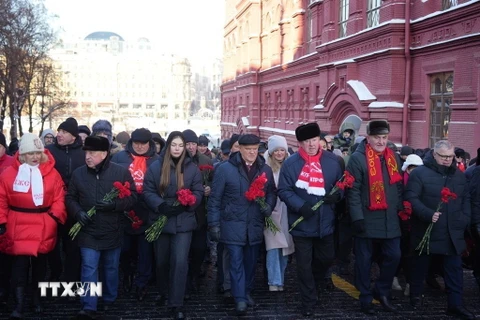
(76, 206)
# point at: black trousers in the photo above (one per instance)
(5, 272)
(314, 257)
(198, 249)
(73, 259)
(55, 257)
(21, 265)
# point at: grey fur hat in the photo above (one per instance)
(103, 126)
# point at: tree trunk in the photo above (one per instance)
(20, 127)
(3, 108)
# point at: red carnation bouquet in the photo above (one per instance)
(119, 190)
(406, 213)
(136, 221)
(256, 193)
(446, 195)
(185, 197)
(346, 181)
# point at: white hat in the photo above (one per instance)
(412, 160)
(30, 142)
(275, 142)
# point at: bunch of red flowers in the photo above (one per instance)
(185, 197)
(406, 213)
(445, 196)
(206, 169)
(136, 221)
(119, 190)
(255, 192)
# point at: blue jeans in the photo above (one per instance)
(133, 245)
(243, 260)
(90, 260)
(276, 264)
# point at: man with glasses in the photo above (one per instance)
(450, 220)
(48, 137)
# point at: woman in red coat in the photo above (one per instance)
(32, 202)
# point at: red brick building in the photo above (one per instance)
(288, 62)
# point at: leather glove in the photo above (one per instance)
(306, 211)
(267, 212)
(3, 228)
(331, 199)
(359, 226)
(83, 218)
(106, 206)
(214, 233)
(53, 217)
(170, 211)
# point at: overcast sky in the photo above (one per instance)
(192, 28)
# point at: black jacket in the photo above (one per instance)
(192, 180)
(475, 195)
(88, 186)
(379, 224)
(423, 191)
(125, 159)
(67, 158)
(201, 212)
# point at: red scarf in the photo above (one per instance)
(137, 169)
(311, 176)
(375, 177)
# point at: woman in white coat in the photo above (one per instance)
(280, 244)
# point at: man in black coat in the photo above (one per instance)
(374, 202)
(475, 200)
(68, 154)
(450, 220)
(139, 154)
(100, 237)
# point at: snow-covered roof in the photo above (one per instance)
(361, 90)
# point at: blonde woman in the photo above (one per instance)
(280, 244)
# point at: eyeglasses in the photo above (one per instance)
(444, 157)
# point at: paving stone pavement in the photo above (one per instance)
(208, 304)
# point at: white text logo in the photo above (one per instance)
(71, 289)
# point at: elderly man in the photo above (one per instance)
(238, 222)
(450, 220)
(305, 178)
(100, 237)
(374, 202)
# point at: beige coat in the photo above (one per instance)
(280, 240)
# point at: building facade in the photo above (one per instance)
(414, 63)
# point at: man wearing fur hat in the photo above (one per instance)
(238, 222)
(198, 248)
(374, 203)
(138, 155)
(100, 237)
(307, 177)
(68, 154)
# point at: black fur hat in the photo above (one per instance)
(96, 143)
(307, 131)
(375, 127)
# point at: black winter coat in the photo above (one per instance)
(89, 186)
(67, 158)
(201, 212)
(239, 219)
(192, 179)
(379, 224)
(475, 195)
(423, 191)
(125, 159)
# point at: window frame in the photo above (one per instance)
(343, 14)
(373, 13)
(439, 131)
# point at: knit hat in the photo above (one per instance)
(30, 142)
(122, 137)
(96, 143)
(84, 129)
(459, 153)
(174, 134)
(103, 126)
(248, 139)
(70, 125)
(406, 150)
(233, 139)
(190, 136)
(203, 141)
(3, 141)
(376, 127)
(276, 142)
(412, 160)
(141, 135)
(158, 138)
(225, 146)
(307, 131)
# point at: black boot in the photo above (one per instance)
(19, 300)
(127, 283)
(37, 303)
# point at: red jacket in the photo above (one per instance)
(31, 233)
(5, 162)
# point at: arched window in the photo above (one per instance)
(441, 94)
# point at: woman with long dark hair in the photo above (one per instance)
(172, 172)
